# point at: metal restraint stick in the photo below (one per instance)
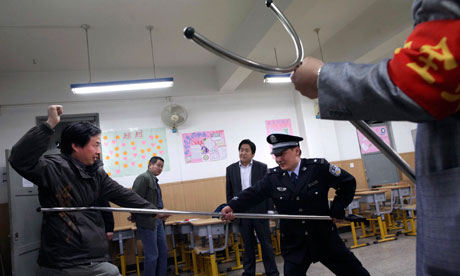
(190, 33)
(173, 212)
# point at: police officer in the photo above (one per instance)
(300, 187)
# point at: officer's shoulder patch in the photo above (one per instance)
(334, 170)
(275, 170)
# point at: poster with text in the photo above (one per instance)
(204, 146)
(279, 126)
(127, 152)
(367, 146)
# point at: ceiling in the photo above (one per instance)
(46, 35)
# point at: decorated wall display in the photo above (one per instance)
(367, 146)
(279, 126)
(127, 152)
(204, 146)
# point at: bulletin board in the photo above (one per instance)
(279, 126)
(204, 146)
(127, 152)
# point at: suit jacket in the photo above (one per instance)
(233, 183)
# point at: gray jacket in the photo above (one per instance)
(344, 87)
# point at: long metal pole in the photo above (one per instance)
(173, 212)
(385, 149)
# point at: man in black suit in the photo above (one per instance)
(241, 175)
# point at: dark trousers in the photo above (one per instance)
(342, 263)
(262, 229)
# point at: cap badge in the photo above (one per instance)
(273, 139)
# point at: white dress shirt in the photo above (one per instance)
(245, 172)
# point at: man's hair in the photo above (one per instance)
(155, 159)
(250, 143)
(78, 133)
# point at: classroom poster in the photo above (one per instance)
(127, 152)
(204, 146)
(279, 126)
(366, 145)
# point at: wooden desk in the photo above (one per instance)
(376, 197)
(372, 196)
(397, 192)
(206, 228)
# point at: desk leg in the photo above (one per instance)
(259, 252)
(383, 234)
(236, 249)
(412, 231)
(176, 267)
(412, 222)
(363, 229)
(214, 271)
(194, 262)
(138, 269)
(355, 239)
(122, 255)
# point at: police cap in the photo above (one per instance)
(282, 142)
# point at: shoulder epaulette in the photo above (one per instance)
(316, 161)
(275, 170)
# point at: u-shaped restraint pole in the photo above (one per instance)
(190, 33)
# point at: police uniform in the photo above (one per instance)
(306, 241)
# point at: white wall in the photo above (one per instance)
(240, 114)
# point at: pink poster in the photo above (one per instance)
(204, 146)
(279, 126)
(366, 145)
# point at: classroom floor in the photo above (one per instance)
(389, 258)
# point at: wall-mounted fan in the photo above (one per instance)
(174, 115)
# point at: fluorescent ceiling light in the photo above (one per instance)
(116, 86)
(277, 78)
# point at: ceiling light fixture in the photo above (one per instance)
(120, 86)
(277, 78)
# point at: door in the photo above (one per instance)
(25, 221)
(379, 169)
